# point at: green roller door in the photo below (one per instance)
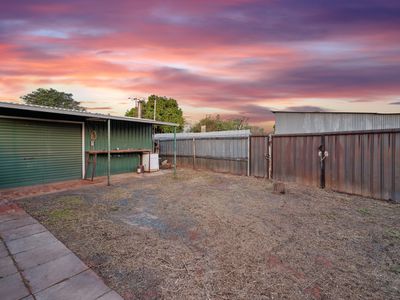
(37, 152)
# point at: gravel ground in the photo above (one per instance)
(204, 235)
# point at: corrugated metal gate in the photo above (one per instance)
(259, 156)
(35, 152)
(295, 158)
(360, 163)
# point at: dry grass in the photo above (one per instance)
(211, 236)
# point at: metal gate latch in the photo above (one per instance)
(326, 154)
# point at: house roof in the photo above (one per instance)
(78, 113)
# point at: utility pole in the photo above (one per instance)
(155, 108)
(138, 103)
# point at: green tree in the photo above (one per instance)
(216, 123)
(53, 98)
(167, 110)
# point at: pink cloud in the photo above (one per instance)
(238, 56)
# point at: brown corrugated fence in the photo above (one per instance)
(360, 163)
(363, 163)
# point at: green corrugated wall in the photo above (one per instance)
(124, 135)
(36, 152)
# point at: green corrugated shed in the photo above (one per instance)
(123, 136)
(42, 144)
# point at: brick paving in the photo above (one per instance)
(35, 265)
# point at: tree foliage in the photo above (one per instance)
(216, 123)
(53, 98)
(167, 110)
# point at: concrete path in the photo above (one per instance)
(35, 265)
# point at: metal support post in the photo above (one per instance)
(109, 151)
(248, 156)
(194, 153)
(174, 151)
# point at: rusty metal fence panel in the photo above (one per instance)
(366, 164)
(294, 158)
(360, 163)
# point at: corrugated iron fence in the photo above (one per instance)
(219, 154)
(360, 163)
(363, 163)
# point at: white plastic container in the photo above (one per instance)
(154, 165)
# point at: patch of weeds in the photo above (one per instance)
(114, 208)
(70, 200)
(364, 211)
(115, 194)
(269, 185)
(179, 177)
(330, 216)
(60, 215)
(395, 269)
(393, 233)
(98, 259)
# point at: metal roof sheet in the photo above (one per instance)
(331, 112)
(300, 122)
(78, 113)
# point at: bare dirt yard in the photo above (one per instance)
(211, 236)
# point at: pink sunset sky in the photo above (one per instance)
(234, 58)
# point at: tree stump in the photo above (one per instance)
(279, 188)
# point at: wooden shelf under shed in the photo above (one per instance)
(118, 151)
(96, 152)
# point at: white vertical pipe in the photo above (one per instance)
(270, 156)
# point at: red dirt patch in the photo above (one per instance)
(193, 235)
(274, 262)
(314, 291)
(42, 189)
(37, 190)
(323, 261)
(9, 207)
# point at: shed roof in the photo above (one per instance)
(77, 113)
